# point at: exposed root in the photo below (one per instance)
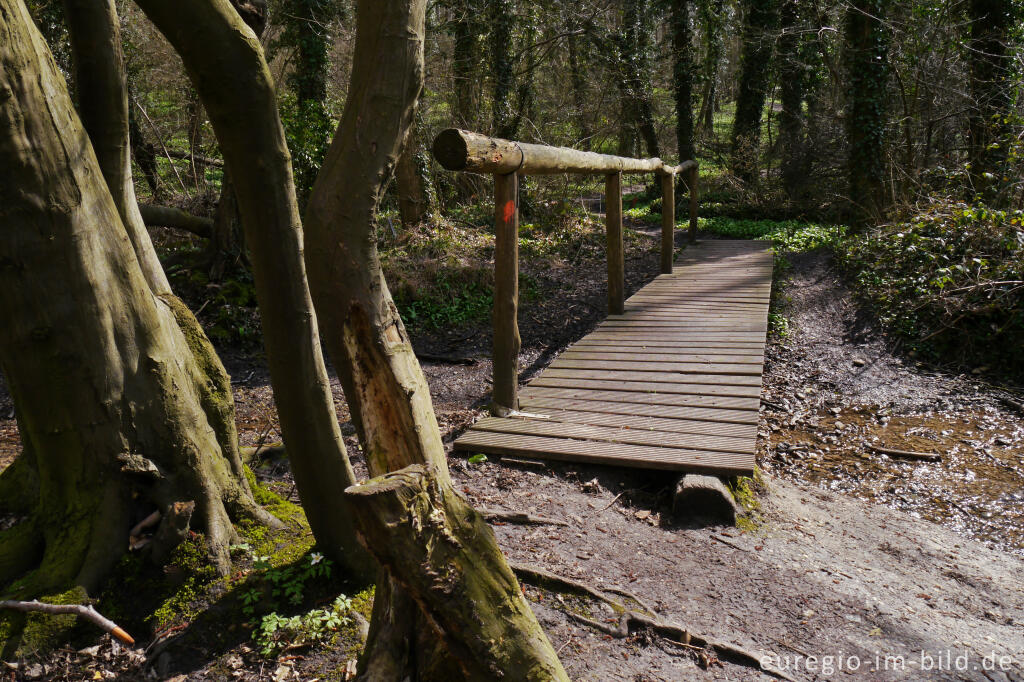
(521, 518)
(629, 620)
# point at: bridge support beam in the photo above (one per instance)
(616, 258)
(668, 222)
(506, 295)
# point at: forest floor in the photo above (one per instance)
(853, 565)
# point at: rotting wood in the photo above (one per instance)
(705, 496)
(86, 612)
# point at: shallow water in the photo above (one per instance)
(977, 489)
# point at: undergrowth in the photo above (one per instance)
(948, 281)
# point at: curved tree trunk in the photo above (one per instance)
(118, 413)
(226, 65)
(385, 387)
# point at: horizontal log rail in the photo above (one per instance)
(506, 160)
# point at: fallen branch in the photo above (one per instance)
(906, 454)
(521, 518)
(87, 612)
(168, 216)
(448, 359)
(676, 634)
(199, 158)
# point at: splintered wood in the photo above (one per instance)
(672, 383)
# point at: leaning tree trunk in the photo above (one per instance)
(118, 414)
(226, 65)
(384, 385)
(759, 22)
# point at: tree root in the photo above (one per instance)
(521, 518)
(87, 612)
(629, 619)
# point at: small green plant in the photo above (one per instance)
(277, 633)
(275, 585)
(478, 458)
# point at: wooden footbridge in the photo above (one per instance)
(671, 379)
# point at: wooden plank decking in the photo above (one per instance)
(673, 383)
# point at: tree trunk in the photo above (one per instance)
(413, 181)
(227, 68)
(682, 77)
(635, 81)
(384, 385)
(119, 412)
(791, 84)
(502, 21)
(867, 66)
(579, 93)
(759, 23)
(466, 63)
(991, 86)
(712, 15)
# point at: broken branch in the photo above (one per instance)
(87, 612)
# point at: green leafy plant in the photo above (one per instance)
(277, 633)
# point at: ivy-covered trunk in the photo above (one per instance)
(760, 23)
(682, 76)
(991, 89)
(122, 406)
(867, 72)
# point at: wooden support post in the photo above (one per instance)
(668, 222)
(693, 204)
(616, 259)
(506, 294)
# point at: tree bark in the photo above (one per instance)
(791, 85)
(226, 65)
(682, 77)
(168, 216)
(759, 23)
(502, 21)
(867, 66)
(118, 414)
(412, 180)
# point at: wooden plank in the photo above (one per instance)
(644, 398)
(605, 434)
(660, 355)
(666, 367)
(666, 411)
(712, 380)
(653, 349)
(654, 423)
(609, 453)
(614, 381)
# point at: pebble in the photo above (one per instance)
(859, 362)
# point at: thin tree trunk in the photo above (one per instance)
(867, 67)
(682, 77)
(579, 93)
(791, 85)
(384, 385)
(502, 21)
(759, 23)
(991, 90)
(226, 65)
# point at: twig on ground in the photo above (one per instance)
(731, 544)
(906, 454)
(87, 612)
(614, 500)
(448, 359)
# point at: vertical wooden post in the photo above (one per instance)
(506, 294)
(693, 204)
(668, 222)
(616, 259)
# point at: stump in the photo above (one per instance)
(705, 496)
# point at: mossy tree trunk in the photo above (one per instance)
(226, 65)
(384, 385)
(122, 406)
(760, 21)
(867, 70)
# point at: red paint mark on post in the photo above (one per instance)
(509, 210)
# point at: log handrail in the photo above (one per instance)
(506, 160)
